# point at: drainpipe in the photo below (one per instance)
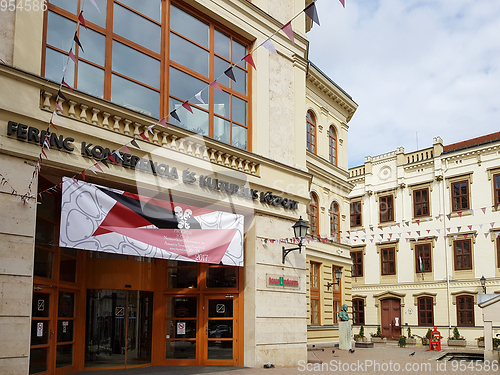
(446, 250)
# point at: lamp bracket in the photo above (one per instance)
(328, 285)
(287, 251)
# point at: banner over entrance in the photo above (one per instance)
(98, 218)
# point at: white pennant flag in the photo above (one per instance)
(92, 169)
(117, 153)
(269, 46)
(198, 97)
(95, 5)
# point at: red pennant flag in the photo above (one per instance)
(72, 56)
(162, 122)
(342, 2)
(465, 236)
(425, 238)
(493, 223)
(81, 19)
(51, 123)
(459, 213)
(65, 84)
(483, 209)
(83, 175)
(187, 106)
(469, 226)
(44, 154)
(215, 85)
(98, 167)
(112, 159)
(249, 59)
(418, 222)
(125, 148)
(74, 180)
(287, 29)
(380, 227)
(143, 136)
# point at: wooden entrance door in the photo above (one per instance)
(391, 318)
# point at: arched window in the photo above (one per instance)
(313, 214)
(335, 221)
(332, 138)
(311, 131)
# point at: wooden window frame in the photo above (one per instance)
(311, 131)
(336, 295)
(356, 214)
(332, 145)
(386, 215)
(460, 197)
(496, 190)
(421, 249)
(389, 262)
(465, 310)
(314, 203)
(498, 251)
(335, 233)
(358, 312)
(357, 263)
(424, 321)
(421, 204)
(315, 291)
(462, 256)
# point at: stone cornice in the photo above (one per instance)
(422, 286)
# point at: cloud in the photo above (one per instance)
(413, 66)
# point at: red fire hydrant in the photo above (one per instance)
(435, 340)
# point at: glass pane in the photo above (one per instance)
(91, 80)
(69, 252)
(181, 329)
(45, 233)
(241, 81)
(181, 307)
(64, 355)
(93, 15)
(66, 308)
(189, 54)
(221, 277)
(67, 269)
(135, 97)
(60, 31)
(181, 349)
(220, 67)
(220, 308)
(150, 8)
(139, 331)
(47, 207)
(182, 278)
(38, 360)
(184, 86)
(94, 44)
(220, 329)
(41, 305)
(136, 65)
(222, 130)
(69, 5)
(39, 332)
(222, 44)
(54, 66)
(220, 349)
(239, 51)
(44, 261)
(239, 110)
(64, 330)
(189, 26)
(136, 28)
(222, 103)
(239, 137)
(179, 263)
(196, 122)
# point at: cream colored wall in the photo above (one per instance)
(7, 21)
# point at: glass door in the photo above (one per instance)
(42, 331)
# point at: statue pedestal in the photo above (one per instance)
(345, 341)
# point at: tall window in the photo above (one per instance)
(498, 252)
(125, 61)
(332, 141)
(311, 131)
(314, 292)
(356, 214)
(421, 202)
(357, 263)
(463, 255)
(425, 311)
(460, 195)
(335, 221)
(313, 214)
(388, 257)
(336, 294)
(358, 312)
(423, 259)
(386, 208)
(496, 181)
(465, 311)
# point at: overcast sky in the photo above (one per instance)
(426, 67)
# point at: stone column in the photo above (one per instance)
(345, 341)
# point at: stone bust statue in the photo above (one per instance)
(343, 313)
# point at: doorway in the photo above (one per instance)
(118, 328)
(219, 328)
(391, 318)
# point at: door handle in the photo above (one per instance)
(51, 333)
(206, 330)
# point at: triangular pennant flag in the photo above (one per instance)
(459, 213)
(287, 29)
(162, 122)
(458, 228)
(60, 94)
(229, 72)
(486, 235)
(44, 154)
(398, 225)
(65, 84)
(448, 229)
(311, 12)
(117, 153)
(492, 223)
(399, 235)
(371, 241)
(483, 209)
(134, 143)
(54, 113)
(448, 216)
(81, 19)
(83, 174)
(389, 225)
(150, 129)
(105, 163)
(471, 212)
(455, 236)
(95, 5)
(215, 85)
(437, 217)
(418, 232)
(198, 97)
(77, 41)
(465, 236)
(143, 136)
(58, 106)
(407, 223)
(438, 231)
(249, 59)
(175, 115)
(481, 226)
(437, 239)
(469, 226)
(426, 238)
(269, 46)
(72, 56)
(112, 159)
(496, 234)
(342, 2)
(125, 148)
(428, 231)
(427, 219)
(187, 106)
(51, 123)
(380, 227)
(417, 221)
(74, 180)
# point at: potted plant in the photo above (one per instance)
(480, 341)
(360, 337)
(402, 341)
(378, 337)
(411, 340)
(456, 339)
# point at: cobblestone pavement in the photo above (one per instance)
(378, 360)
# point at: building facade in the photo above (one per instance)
(104, 115)
(424, 230)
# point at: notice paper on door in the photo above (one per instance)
(181, 328)
(39, 329)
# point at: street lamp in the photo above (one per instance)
(300, 230)
(338, 276)
(483, 283)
